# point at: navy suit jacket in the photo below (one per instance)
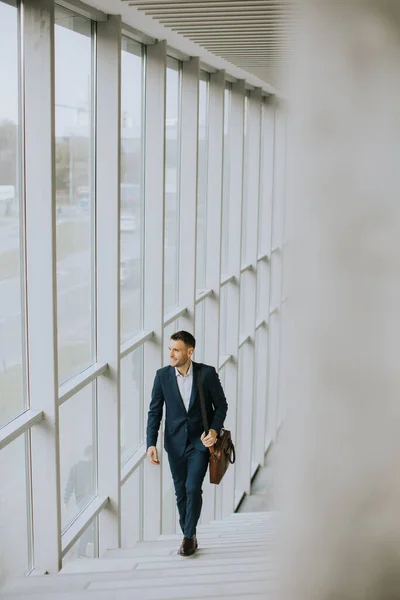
(179, 423)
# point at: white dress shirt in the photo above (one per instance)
(185, 384)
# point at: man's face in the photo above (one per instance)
(179, 353)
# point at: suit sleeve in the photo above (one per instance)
(218, 400)
(155, 413)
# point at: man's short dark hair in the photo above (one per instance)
(185, 337)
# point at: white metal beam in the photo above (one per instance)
(154, 259)
(188, 190)
(38, 31)
(213, 245)
(108, 273)
(18, 426)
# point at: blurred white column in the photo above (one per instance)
(341, 470)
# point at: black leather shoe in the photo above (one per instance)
(188, 546)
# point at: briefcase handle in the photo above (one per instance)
(203, 405)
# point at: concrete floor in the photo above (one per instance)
(262, 489)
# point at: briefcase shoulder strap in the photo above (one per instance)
(202, 401)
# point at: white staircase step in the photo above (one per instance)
(193, 580)
(156, 551)
(245, 590)
(95, 565)
(208, 543)
(185, 563)
(235, 560)
(80, 581)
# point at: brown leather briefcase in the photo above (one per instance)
(222, 454)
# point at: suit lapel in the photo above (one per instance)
(193, 395)
(175, 387)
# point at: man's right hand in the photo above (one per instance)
(152, 455)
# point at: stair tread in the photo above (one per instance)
(235, 559)
(209, 591)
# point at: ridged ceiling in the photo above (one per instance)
(254, 35)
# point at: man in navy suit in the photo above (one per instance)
(185, 440)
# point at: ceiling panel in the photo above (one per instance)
(254, 35)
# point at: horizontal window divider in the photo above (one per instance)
(137, 35)
(207, 68)
(204, 294)
(135, 342)
(249, 267)
(228, 279)
(76, 384)
(81, 523)
(21, 424)
(260, 324)
(173, 53)
(268, 446)
(244, 340)
(238, 499)
(254, 469)
(230, 78)
(83, 9)
(274, 310)
(133, 463)
(223, 360)
(173, 315)
(275, 249)
(263, 257)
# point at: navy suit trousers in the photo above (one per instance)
(188, 473)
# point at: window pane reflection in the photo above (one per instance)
(132, 197)
(74, 192)
(87, 545)
(132, 432)
(202, 182)
(131, 509)
(200, 331)
(12, 397)
(245, 237)
(172, 175)
(15, 536)
(225, 267)
(78, 453)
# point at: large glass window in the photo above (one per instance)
(223, 320)
(12, 346)
(246, 158)
(172, 184)
(202, 181)
(132, 432)
(78, 453)
(225, 267)
(15, 511)
(75, 193)
(132, 509)
(261, 205)
(132, 189)
(200, 326)
(87, 545)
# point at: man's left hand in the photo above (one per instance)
(210, 439)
